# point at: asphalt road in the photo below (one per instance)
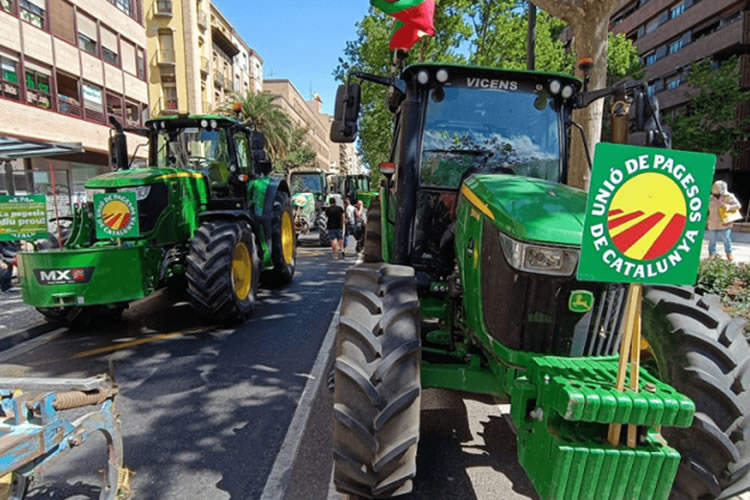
(204, 408)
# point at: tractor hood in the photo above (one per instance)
(531, 209)
(138, 177)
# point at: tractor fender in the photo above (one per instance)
(243, 215)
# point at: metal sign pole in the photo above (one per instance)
(54, 199)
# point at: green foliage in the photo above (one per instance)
(263, 114)
(301, 154)
(709, 124)
(480, 32)
(729, 281)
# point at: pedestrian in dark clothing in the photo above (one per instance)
(8, 251)
(335, 226)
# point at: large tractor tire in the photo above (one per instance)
(703, 353)
(321, 222)
(283, 242)
(373, 251)
(377, 382)
(223, 270)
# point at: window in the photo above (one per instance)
(128, 56)
(67, 95)
(93, 105)
(123, 5)
(109, 46)
(675, 46)
(651, 26)
(140, 63)
(651, 89)
(650, 59)
(243, 151)
(32, 11)
(170, 98)
(6, 5)
(38, 90)
(677, 10)
(62, 21)
(132, 114)
(9, 78)
(114, 106)
(88, 38)
(672, 82)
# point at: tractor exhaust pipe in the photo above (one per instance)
(118, 146)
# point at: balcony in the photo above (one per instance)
(219, 79)
(163, 8)
(202, 20)
(228, 84)
(168, 105)
(166, 57)
(204, 65)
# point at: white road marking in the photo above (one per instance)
(280, 476)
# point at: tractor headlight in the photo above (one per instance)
(533, 258)
(141, 192)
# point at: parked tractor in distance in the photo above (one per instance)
(311, 192)
(469, 284)
(204, 217)
(354, 187)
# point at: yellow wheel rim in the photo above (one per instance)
(242, 271)
(287, 238)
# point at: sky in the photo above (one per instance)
(298, 40)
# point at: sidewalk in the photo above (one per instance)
(740, 247)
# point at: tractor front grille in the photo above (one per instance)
(530, 312)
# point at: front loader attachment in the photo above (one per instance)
(562, 409)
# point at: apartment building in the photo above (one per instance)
(306, 114)
(672, 34)
(66, 67)
(196, 57)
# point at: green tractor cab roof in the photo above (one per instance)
(182, 120)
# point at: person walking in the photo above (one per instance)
(335, 227)
(723, 211)
(8, 251)
(349, 211)
(360, 221)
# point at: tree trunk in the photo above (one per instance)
(589, 21)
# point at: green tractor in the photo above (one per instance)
(469, 284)
(311, 192)
(204, 217)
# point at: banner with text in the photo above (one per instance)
(23, 217)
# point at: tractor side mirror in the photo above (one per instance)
(648, 121)
(344, 126)
(118, 151)
(257, 140)
(265, 167)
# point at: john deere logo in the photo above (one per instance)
(580, 301)
(645, 216)
(116, 215)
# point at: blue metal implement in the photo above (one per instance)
(34, 430)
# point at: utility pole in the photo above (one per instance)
(531, 38)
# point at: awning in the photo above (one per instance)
(12, 148)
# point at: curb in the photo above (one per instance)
(16, 337)
(278, 480)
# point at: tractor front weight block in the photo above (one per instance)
(89, 276)
(562, 409)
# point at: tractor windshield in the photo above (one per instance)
(306, 183)
(489, 131)
(193, 148)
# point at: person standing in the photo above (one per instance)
(723, 210)
(335, 227)
(7, 255)
(349, 211)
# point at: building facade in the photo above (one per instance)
(66, 68)
(672, 34)
(196, 57)
(307, 114)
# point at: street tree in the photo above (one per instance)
(261, 112)
(589, 22)
(301, 154)
(709, 123)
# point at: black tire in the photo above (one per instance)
(373, 251)
(321, 222)
(702, 352)
(282, 271)
(377, 387)
(211, 283)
